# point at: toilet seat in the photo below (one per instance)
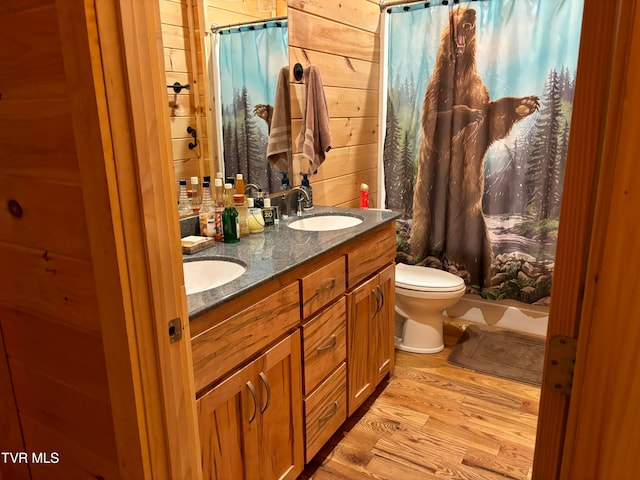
(427, 279)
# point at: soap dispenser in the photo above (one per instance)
(285, 185)
(307, 204)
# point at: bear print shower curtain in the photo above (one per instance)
(479, 97)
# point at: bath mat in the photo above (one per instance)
(502, 353)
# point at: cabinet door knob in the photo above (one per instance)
(252, 390)
(331, 344)
(265, 381)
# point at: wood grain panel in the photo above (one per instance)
(324, 344)
(52, 156)
(53, 216)
(316, 33)
(325, 410)
(346, 188)
(173, 13)
(338, 70)
(70, 356)
(76, 460)
(175, 36)
(176, 60)
(361, 15)
(341, 161)
(49, 284)
(360, 262)
(341, 102)
(233, 341)
(186, 168)
(11, 439)
(345, 131)
(322, 286)
(73, 414)
(30, 59)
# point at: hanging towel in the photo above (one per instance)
(279, 145)
(315, 135)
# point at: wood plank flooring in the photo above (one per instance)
(434, 420)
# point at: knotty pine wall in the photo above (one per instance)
(48, 300)
(343, 40)
(184, 63)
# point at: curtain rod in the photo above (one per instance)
(215, 28)
(384, 4)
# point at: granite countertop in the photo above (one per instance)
(277, 250)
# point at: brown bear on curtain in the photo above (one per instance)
(459, 123)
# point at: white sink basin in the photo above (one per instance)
(323, 223)
(201, 275)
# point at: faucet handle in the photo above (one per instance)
(300, 201)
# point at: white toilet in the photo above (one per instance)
(422, 294)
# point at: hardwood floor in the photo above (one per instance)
(435, 420)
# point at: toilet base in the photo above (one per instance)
(418, 337)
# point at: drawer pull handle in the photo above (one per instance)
(331, 344)
(329, 415)
(255, 400)
(329, 286)
(265, 381)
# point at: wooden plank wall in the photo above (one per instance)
(48, 300)
(343, 40)
(183, 59)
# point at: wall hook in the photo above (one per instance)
(192, 131)
(177, 87)
(298, 71)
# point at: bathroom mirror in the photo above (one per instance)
(247, 51)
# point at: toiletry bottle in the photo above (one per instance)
(230, 224)
(364, 195)
(285, 185)
(255, 219)
(195, 195)
(259, 200)
(218, 200)
(207, 213)
(239, 183)
(184, 204)
(268, 213)
(243, 213)
(307, 204)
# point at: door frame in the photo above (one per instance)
(598, 135)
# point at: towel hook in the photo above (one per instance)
(298, 71)
(177, 87)
(193, 133)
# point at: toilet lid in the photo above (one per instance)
(414, 277)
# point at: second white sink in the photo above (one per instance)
(201, 275)
(323, 223)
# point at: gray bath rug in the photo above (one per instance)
(502, 353)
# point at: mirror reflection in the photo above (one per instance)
(250, 64)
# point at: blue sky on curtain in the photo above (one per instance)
(250, 58)
(484, 203)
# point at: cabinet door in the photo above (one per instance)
(228, 418)
(361, 344)
(280, 434)
(385, 322)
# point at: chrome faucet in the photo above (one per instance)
(254, 186)
(301, 197)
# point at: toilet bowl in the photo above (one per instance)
(422, 295)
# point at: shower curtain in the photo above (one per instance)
(479, 98)
(249, 60)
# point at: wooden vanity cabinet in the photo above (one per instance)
(251, 423)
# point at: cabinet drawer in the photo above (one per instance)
(325, 344)
(374, 252)
(236, 339)
(325, 410)
(323, 286)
